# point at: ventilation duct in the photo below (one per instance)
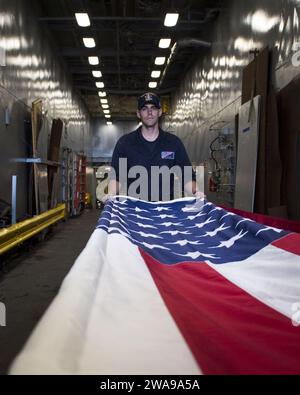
(186, 42)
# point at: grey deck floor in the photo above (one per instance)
(30, 286)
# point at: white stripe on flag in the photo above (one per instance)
(263, 276)
(130, 330)
(55, 345)
(108, 318)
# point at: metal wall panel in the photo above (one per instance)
(32, 71)
(211, 90)
(247, 155)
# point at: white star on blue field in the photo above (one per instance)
(175, 232)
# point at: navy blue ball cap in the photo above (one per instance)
(148, 98)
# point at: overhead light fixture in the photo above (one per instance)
(108, 123)
(155, 74)
(93, 60)
(102, 94)
(262, 22)
(106, 111)
(171, 19)
(89, 42)
(152, 84)
(160, 60)
(103, 101)
(97, 73)
(105, 106)
(107, 116)
(100, 84)
(164, 43)
(82, 19)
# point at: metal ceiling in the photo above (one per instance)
(127, 33)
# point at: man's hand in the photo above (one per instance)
(105, 198)
(191, 188)
(199, 195)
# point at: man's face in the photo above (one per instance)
(149, 115)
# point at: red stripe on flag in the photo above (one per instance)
(228, 331)
(290, 243)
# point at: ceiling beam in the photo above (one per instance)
(105, 71)
(129, 92)
(77, 52)
(119, 18)
(140, 28)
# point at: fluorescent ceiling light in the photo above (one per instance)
(103, 101)
(160, 60)
(171, 19)
(152, 84)
(262, 22)
(93, 60)
(102, 94)
(105, 106)
(89, 42)
(82, 19)
(100, 84)
(155, 74)
(106, 111)
(97, 73)
(107, 116)
(108, 123)
(164, 43)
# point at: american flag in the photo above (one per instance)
(174, 288)
(228, 282)
(178, 232)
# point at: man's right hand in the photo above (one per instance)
(199, 195)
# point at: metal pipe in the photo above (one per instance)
(185, 42)
(118, 55)
(22, 231)
(193, 42)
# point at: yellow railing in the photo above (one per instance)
(18, 233)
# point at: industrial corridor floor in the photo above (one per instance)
(34, 278)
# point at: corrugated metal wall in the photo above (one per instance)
(32, 71)
(211, 91)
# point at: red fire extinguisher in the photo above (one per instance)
(212, 184)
